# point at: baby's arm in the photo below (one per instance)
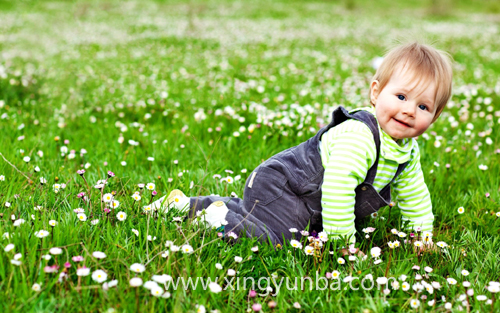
(352, 153)
(413, 196)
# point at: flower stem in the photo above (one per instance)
(388, 263)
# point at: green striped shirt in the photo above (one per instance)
(347, 152)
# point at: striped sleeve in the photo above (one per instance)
(413, 196)
(352, 153)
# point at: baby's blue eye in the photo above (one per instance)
(422, 107)
(401, 97)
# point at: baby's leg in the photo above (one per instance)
(216, 208)
(231, 213)
(176, 199)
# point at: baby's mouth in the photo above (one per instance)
(402, 123)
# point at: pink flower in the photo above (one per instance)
(111, 174)
(487, 195)
(77, 258)
(154, 193)
(252, 294)
(67, 265)
(51, 269)
(80, 172)
(256, 307)
(106, 210)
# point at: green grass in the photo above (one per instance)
(92, 72)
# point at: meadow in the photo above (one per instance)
(106, 106)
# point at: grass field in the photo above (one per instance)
(173, 93)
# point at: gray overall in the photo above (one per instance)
(285, 191)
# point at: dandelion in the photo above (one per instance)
(214, 287)
(114, 204)
(99, 276)
(135, 282)
(429, 289)
(107, 197)
(309, 250)
(188, 249)
(42, 233)
(323, 236)
(157, 291)
(121, 216)
(9, 247)
(55, 251)
(375, 252)
(493, 287)
(381, 280)
(98, 255)
(82, 217)
(405, 286)
(441, 244)
(138, 268)
(461, 210)
(296, 244)
(414, 303)
(83, 271)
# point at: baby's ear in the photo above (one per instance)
(374, 91)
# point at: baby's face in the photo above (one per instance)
(404, 108)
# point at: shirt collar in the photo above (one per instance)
(399, 151)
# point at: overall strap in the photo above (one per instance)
(371, 122)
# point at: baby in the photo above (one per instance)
(346, 171)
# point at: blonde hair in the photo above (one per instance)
(424, 62)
